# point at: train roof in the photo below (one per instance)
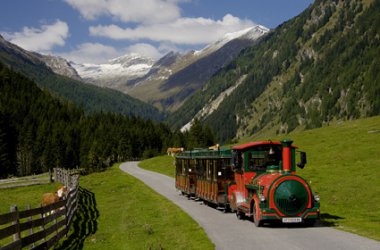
(205, 153)
(257, 143)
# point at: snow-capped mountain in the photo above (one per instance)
(168, 82)
(116, 72)
(170, 85)
(251, 33)
(59, 66)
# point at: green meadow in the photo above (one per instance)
(343, 167)
(118, 211)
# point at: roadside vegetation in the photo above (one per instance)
(343, 167)
(118, 211)
(161, 164)
(123, 213)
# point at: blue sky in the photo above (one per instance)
(94, 31)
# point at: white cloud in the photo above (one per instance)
(91, 53)
(181, 31)
(96, 53)
(138, 11)
(40, 39)
(145, 49)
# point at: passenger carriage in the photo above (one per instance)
(205, 174)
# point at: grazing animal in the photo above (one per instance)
(50, 198)
(215, 147)
(62, 192)
(174, 151)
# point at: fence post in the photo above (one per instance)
(31, 228)
(55, 174)
(42, 227)
(17, 235)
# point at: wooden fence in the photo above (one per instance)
(41, 228)
(25, 181)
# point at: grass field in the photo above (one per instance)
(23, 196)
(161, 164)
(343, 167)
(118, 212)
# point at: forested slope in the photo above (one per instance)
(39, 132)
(91, 98)
(320, 66)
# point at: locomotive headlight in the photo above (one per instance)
(261, 197)
(316, 197)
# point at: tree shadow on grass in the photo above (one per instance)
(84, 223)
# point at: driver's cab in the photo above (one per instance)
(257, 156)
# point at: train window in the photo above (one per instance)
(178, 167)
(200, 167)
(227, 169)
(192, 166)
(215, 170)
(208, 171)
(264, 156)
(204, 169)
(237, 160)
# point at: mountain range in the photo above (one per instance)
(57, 76)
(169, 81)
(319, 67)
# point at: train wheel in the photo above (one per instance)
(240, 215)
(256, 217)
(226, 209)
(233, 204)
(309, 222)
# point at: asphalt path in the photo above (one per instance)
(227, 232)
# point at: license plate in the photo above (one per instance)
(292, 220)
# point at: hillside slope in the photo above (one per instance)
(342, 168)
(342, 164)
(91, 98)
(318, 67)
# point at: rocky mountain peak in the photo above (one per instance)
(131, 59)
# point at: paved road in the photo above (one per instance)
(227, 232)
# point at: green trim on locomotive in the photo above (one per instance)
(291, 197)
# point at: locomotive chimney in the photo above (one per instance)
(286, 155)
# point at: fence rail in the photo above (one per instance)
(25, 181)
(42, 227)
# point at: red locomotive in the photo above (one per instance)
(256, 179)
